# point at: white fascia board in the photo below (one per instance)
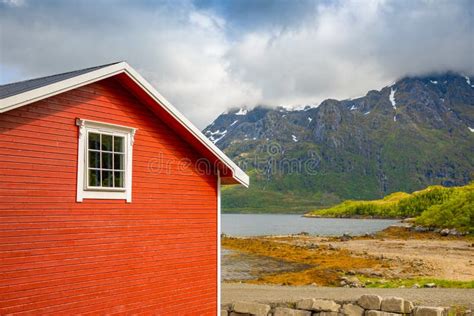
(41, 93)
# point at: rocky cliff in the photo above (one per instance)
(417, 132)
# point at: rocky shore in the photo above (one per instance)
(398, 257)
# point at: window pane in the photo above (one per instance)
(118, 162)
(107, 142)
(118, 179)
(94, 141)
(107, 179)
(107, 160)
(94, 178)
(118, 144)
(94, 159)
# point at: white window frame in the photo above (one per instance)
(83, 190)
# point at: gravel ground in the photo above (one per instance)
(232, 292)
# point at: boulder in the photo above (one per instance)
(396, 305)
(353, 282)
(318, 305)
(379, 313)
(306, 303)
(454, 232)
(429, 311)
(328, 314)
(325, 306)
(352, 310)
(444, 232)
(420, 229)
(369, 301)
(256, 309)
(283, 311)
(224, 312)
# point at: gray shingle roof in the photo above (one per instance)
(15, 88)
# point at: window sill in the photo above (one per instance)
(105, 195)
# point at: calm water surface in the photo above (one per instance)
(283, 224)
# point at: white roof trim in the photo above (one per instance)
(21, 99)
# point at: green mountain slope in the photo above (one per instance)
(435, 206)
(415, 133)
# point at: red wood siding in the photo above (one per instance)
(154, 255)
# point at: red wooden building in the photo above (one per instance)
(109, 199)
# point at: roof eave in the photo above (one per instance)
(24, 98)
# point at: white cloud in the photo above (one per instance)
(193, 57)
(346, 49)
(179, 50)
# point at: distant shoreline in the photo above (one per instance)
(354, 217)
(307, 215)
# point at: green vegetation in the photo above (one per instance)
(408, 283)
(435, 206)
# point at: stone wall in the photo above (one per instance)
(366, 305)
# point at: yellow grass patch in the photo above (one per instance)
(328, 265)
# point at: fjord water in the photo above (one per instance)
(284, 224)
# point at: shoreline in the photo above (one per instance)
(394, 257)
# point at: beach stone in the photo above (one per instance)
(256, 309)
(379, 313)
(396, 305)
(239, 314)
(369, 301)
(429, 311)
(224, 313)
(283, 311)
(352, 310)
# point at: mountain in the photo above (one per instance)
(404, 137)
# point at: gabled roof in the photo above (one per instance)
(15, 95)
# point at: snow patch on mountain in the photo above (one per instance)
(294, 138)
(216, 135)
(468, 81)
(471, 129)
(242, 111)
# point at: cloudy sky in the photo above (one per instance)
(206, 56)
